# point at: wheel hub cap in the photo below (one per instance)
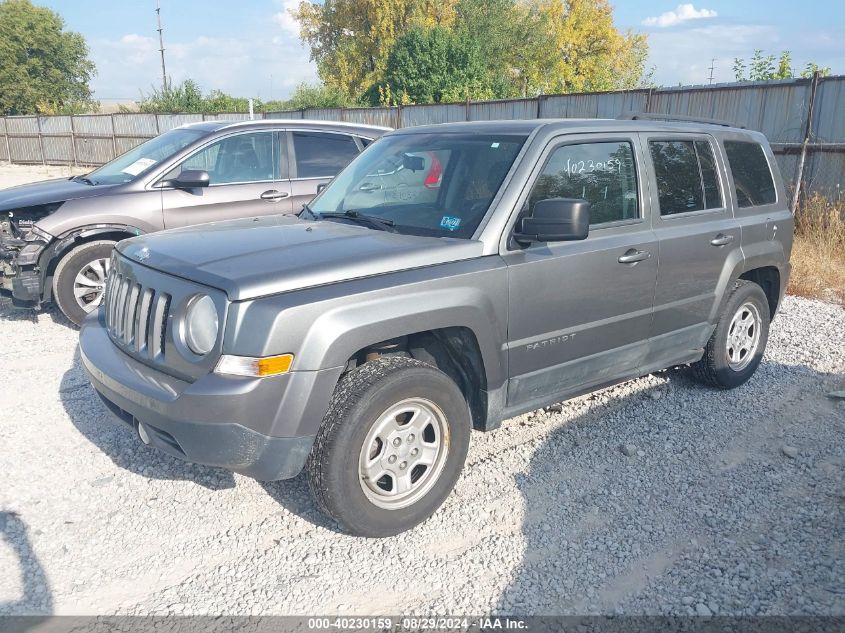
(743, 336)
(90, 284)
(404, 453)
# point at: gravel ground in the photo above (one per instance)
(658, 496)
(11, 175)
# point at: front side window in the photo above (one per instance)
(322, 155)
(242, 158)
(686, 176)
(438, 184)
(603, 174)
(752, 176)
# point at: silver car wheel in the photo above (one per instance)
(404, 453)
(90, 284)
(743, 336)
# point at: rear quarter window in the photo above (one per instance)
(751, 173)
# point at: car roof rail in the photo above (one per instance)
(657, 116)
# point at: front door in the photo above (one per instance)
(580, 312)
(245, 181)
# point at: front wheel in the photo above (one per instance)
(80, 279)
(736, 346)
(391, 446)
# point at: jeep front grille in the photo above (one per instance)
(136, 317)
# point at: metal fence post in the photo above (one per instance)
(8, 145)
(808, 131)
(113, 137)
(75, 158)
(40, 140)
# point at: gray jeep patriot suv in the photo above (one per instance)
(451, 277)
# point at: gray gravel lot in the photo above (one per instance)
(658, 496)
(707, 514)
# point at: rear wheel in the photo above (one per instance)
(80, 279)
(736, 346)
(391, 446)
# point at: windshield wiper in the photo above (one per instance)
(83, 179)
(375, 222)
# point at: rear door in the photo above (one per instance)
(579, 312)
(697, 235)
(245, 174)
(315, 157)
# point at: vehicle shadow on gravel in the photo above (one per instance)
(120, 442)
(10, 313)
(683, 500)
(35, 596)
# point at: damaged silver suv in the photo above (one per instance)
(56, 237)
(449, 278)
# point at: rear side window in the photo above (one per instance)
(686, 176)
(752, 176)
(322, 155)
(603, 174)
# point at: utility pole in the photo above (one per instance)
(712, 67)
(161, 47)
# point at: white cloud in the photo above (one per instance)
(684, 56)
(683, 13)
(285, 19)
(269, 65)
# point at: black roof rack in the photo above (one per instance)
(657, 116)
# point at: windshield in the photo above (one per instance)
(437, 184)
(138, 160)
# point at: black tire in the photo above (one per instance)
(714, 368)
(360, 399)
(66, 272)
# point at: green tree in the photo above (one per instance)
(187, 97)
(43, 68)
(812, 68)
(762, 67)
(739, 69)
(433, 65)
(351, 39)
(784, 70)
(312, 96)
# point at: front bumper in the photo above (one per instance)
(22, 284)
(204, 421)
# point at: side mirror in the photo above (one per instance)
(556, 220)
(413, 163)
(191, 179)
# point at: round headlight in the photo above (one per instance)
(201, 325)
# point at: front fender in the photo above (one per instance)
(324, 327)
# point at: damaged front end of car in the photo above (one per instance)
(22, 244)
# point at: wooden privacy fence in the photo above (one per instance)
(804, 119)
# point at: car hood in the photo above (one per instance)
(47, 192)
(263, 256)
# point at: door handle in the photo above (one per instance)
(369, 186)
(272, 195)
(721, 240)
(632, 256)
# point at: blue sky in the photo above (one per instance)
(251, 48)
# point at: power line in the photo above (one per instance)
(161, 47)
